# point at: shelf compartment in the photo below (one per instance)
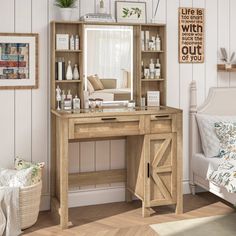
(68, 81)
(221, 67)
(97, 177)
(68, 51)
(151, 80)
(149, 51)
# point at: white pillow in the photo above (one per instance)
(206, 125)
(16, 178)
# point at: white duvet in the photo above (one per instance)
(9, 211)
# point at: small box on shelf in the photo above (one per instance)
(153, 98)
(62, 41)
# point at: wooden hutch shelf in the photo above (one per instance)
(141, 85)
(221, 67)
(69, 51)
(145, 56)
(152, 80)
(149, 51)
(68, 81)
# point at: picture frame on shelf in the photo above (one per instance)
(131, 12)
(19, 61)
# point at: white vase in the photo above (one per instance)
(66, 13)
(69, 75)
(76, 72)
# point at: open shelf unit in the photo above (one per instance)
(140, 85)
(75, 56)
(221, 68)
(158, 84)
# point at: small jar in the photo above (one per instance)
(98, 102)
(92, 103)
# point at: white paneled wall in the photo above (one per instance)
(24, 118)
(24, 125)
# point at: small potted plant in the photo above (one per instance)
(226, 59)
(65, 7)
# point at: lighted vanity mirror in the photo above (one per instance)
(109, 62)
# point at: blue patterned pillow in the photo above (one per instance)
(226, 132)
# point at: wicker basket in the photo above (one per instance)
(29, 201)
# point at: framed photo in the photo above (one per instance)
(18, 61)
(131, 12)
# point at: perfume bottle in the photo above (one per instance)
(68, 101)
(158, 69)
(152, 69)
(76, 73)
(63, 97)
(76, 103)
(77, 42)
(146, 73)
(69, 75)
(72, 42)
(153, 46)
(158, 43)
(58, 97)
(69, 96)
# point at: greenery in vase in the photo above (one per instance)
(131, 12)
(65, 3)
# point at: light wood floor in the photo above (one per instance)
(124, 219)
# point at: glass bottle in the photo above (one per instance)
(76, 73)
(69, 75)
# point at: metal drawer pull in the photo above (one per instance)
(109, 118)
(162, 116)
(148, 170)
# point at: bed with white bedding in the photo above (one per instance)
(220, 104)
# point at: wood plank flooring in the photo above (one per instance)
(124, 219)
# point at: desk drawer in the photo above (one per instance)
(105, 126)
(161, 124)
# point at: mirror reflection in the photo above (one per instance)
(109, 62)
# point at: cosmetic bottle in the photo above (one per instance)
(77, 42)
(158, 70)
(158, 43)
(63, 97)
(69, 96)
(72, 42)
(152, 69)
(76, 73)
(69, 75)
(76, 103)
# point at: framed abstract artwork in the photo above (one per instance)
(18, 61)
(131, 12)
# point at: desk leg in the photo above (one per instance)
(179, 128)
(62, 148)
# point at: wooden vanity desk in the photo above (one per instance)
(154, 154)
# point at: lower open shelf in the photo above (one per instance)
(97, 177)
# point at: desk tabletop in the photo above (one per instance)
(115, 112)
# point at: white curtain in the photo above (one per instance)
(109, 53)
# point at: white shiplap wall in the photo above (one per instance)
(24, 120)
(24, 125)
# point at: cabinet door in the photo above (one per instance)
(160, 159)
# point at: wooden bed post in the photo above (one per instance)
(192, 130)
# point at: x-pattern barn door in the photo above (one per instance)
(160, 158)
